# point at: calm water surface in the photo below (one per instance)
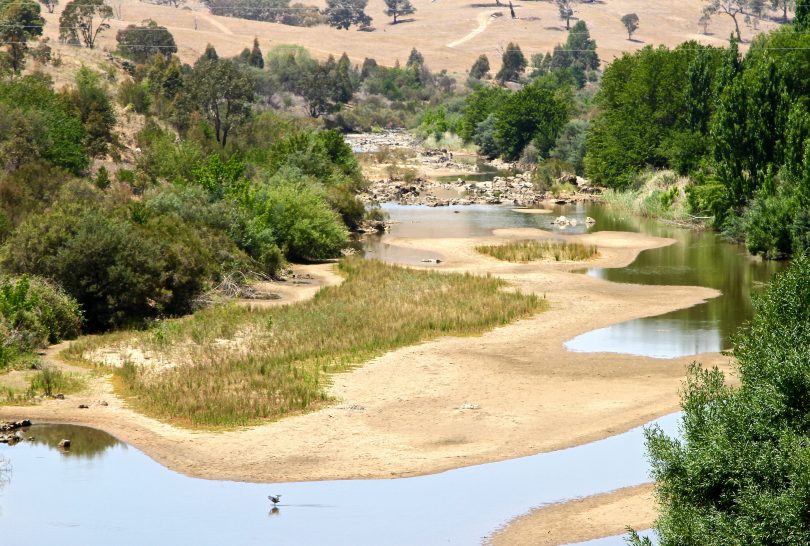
(696, 259)
(103, 492)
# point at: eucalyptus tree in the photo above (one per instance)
(83, 20)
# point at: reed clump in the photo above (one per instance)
(243, 365)
(531, 250)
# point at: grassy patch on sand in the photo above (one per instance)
(234, 366)
(530, 251)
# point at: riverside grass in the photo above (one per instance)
(238, 366)
(531, 250)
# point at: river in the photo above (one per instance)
(106, 492)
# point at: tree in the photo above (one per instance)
(344, 13)
(139, 42)
(566, 8)
(223, 91)
(398, 8)
(415, 59)
(210, 53)
(732, 8)
(514, 63)
(784, 5)
(537, 113)
(91, 101)
(256, 59)
(50, 5)
(20, 21)
(173, 3)
(739, 473)
(704, 21)
(802, 19)
(480, 68)
(77, 23)
(630, 22)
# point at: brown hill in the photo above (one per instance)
(450, 33)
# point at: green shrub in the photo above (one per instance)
(739, 473)
(299, 217)
(33, 314)
(135, 95)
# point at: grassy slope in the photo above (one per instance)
(235, 366)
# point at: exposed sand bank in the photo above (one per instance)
(583, 519)
(400, 415)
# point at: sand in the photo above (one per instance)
(399, 414)
(583, 519)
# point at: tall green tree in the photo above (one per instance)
(480, 68)
(741, 472)
(537, 113)
(224, 92)
(343, 14)
(83, 20)
(513, 66)
(20, 21)
(256, 59)
(139, 42)
(398, 8)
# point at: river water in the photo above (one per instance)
(104, 492)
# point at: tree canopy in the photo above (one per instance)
(83, 20)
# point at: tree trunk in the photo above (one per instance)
(737, 27)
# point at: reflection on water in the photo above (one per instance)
(86, 442)
(696, 259)
(120, 496)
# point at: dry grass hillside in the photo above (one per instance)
(450, 33)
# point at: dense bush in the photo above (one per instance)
(36, 123)
(119, 262)
(33, 314)
(740, 473)
(299, 216)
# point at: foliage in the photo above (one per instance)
(139, 42)
(119, 263)
(630, 22)
(223, 91)
(537, 113)
(650, 115)
(92, 102)
(480, 68)
(274, 11)
(343, 14)
(78, 25)
(398, 8)
(38, 123)
(577, 56)
(513, 64)
(20, 21)
(300, 218)
(739, 475)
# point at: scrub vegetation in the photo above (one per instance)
(530, 251)
(231, 365)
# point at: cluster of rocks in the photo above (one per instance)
(563, 222)
(11, 433)
(364, 143)
(517, 190)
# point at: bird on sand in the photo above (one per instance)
(275, 499)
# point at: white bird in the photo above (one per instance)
(275, 499)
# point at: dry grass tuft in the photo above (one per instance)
(530, 251)
(241, 365)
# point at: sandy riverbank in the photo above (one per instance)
(400, 414)
(608, 514)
